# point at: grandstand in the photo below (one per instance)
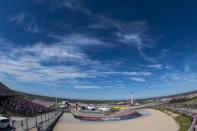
(12, 103)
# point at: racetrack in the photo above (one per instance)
(155, 121)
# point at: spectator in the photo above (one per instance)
(10, 102)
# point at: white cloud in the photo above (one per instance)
(76, 5)
(58, 50)
(168, 67)
(32, 28)
(73, 5)
(180, 78)
(27, 61)
(79, 40)
(28, 68)
(138, 79)
(155, 66)
(86, 87)
(22, 19)
(131, 39)
(25, 64)
(128, 73)
(19, 18)
(187, 67)
(135, 39)
(190, 62)
(176, 77)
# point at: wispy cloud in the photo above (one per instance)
(189, 62)
(76, 5)
(138, 79)
(131, 39)
(79, 40)
(57, 50)
(19, 18)
(27, 63)
(179, 79)
(134, 33)
(128, 73)
(136, 40)
(32, 28)
(155, 66)
(25, 21)
(86, 87)
(158, 66)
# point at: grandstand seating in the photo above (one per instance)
(12, 103)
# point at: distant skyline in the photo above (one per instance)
(98, 49)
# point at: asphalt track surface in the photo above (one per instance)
(152, 120)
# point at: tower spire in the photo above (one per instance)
(131, 95)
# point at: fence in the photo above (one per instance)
(38, 123)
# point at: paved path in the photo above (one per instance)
(156, 121)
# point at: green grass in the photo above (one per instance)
(183, 122)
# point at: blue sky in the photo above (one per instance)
(98, 49)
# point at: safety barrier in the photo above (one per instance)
(42, 122)
(192, 127)
(52, 125)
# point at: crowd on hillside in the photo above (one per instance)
(12, 103)
(5, 91)
(18, 105)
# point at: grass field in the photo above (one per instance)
(183, 122)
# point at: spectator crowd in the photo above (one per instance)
(5, 91)
(12, 103)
